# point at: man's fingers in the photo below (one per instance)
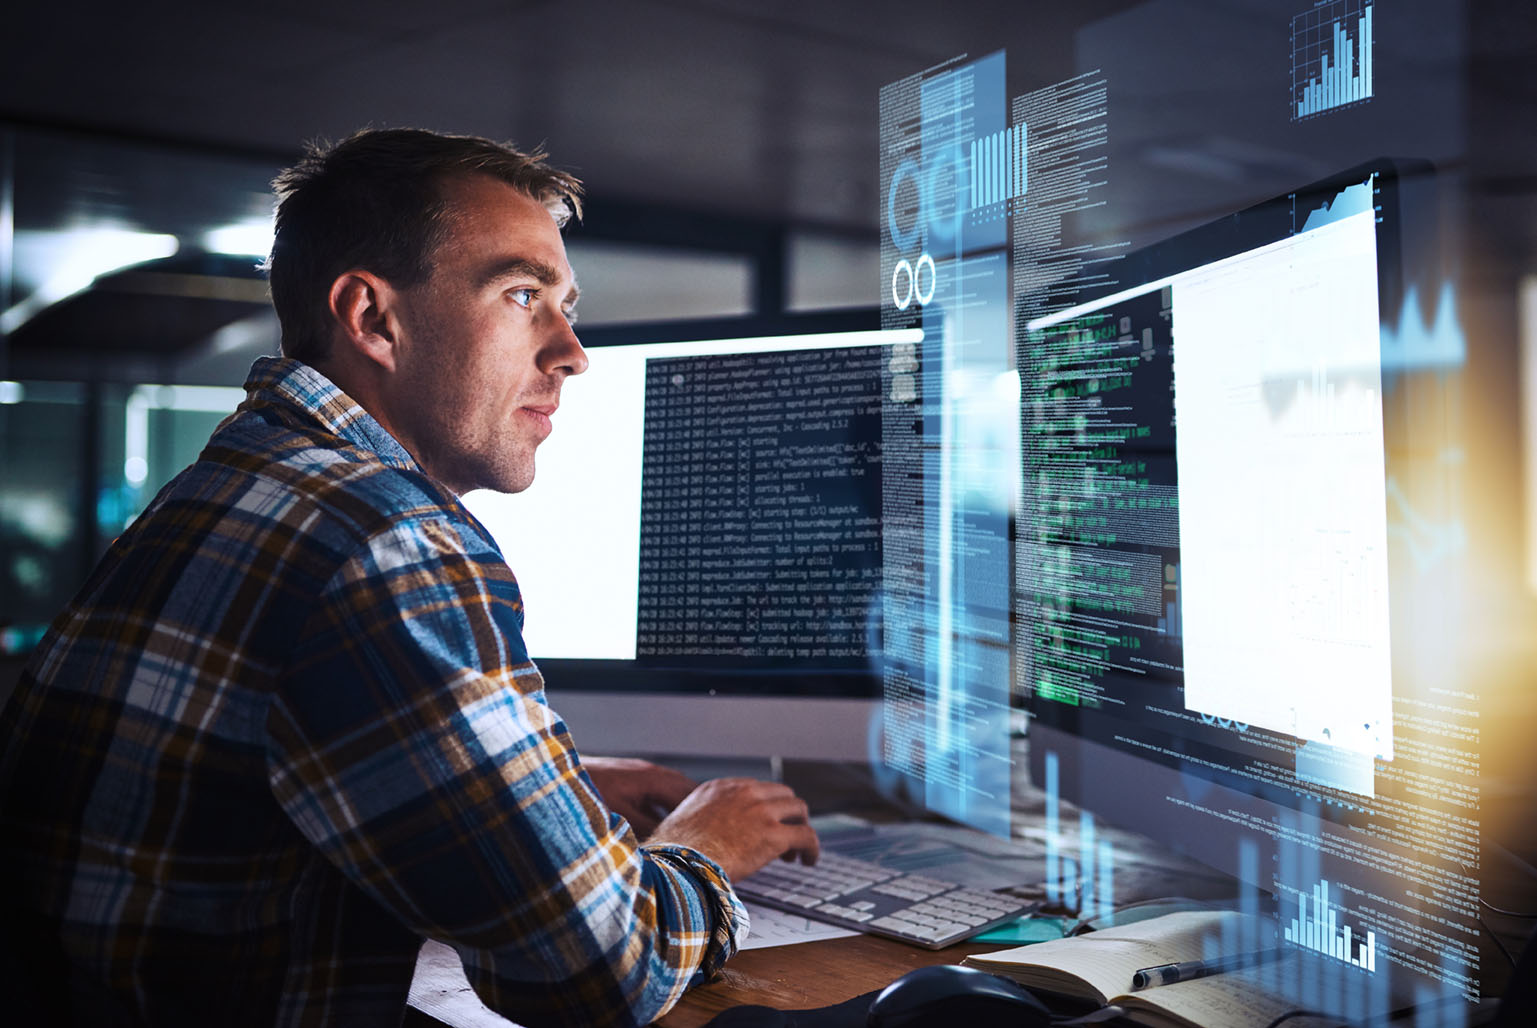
(756, 787)
(786, 809)
(799, 840)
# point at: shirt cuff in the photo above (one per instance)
(729, 921)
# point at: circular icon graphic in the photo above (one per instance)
(907, 171)
(925, 297)
(945, 196)
(899, 296)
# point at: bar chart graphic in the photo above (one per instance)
(1086, 884)
(1317, 930)
(999, 166)
(1331, 57)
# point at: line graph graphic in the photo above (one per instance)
(1427, 541)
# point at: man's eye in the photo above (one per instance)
(523, 297)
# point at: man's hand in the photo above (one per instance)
(637, 790)
(741, 824)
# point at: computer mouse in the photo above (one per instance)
(948, 995)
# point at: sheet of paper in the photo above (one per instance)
(772, 927)
(440, 988)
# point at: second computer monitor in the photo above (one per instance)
(1209, 636)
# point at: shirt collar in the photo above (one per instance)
(284, 382)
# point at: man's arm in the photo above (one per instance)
(411, 744)
(637, 790)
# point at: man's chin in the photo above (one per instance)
(510, 480)
(513, 473)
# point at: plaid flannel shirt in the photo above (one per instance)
(289, 728)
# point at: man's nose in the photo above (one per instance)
(563, 352)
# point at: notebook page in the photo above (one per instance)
(1233, 1000)
(1106, 960)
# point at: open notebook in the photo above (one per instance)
(1099, 967)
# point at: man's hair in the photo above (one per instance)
(374, 201)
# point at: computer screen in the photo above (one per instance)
(701, 552)
(1208, 635)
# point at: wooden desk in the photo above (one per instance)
(810, 974)
(819, 974)
(798, 977)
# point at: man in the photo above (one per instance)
(289, 728)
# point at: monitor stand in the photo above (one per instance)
(702, 769)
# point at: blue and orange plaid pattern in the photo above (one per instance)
(289, 728)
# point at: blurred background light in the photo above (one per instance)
(253, 238)
(73, 258)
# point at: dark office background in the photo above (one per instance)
(730, 149)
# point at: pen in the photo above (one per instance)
(1168, 974)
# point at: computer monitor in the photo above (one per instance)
(701, 552)
(1212, 621)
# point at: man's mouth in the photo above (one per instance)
(539, 414)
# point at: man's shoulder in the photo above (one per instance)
(278, 469)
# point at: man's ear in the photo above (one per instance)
(363, 308)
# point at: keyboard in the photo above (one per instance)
(867, 897)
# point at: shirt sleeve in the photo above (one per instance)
(410, 742)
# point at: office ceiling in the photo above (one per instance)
(767, 110)
(757, 110)
(725, 108)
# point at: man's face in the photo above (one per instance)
(486, 340)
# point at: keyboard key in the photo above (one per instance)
(895, 925)
(932, 885)
(989, 900)
(970, 920)
(942, 930)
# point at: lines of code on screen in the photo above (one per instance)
(1098, 560)
(760, 503)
